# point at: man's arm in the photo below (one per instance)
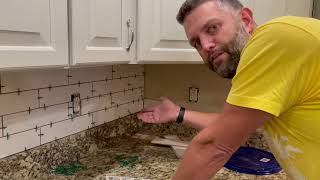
(214, 145)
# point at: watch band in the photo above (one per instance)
(181, 115)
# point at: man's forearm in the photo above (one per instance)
(205, 156)
(199, 120)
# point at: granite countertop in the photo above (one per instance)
(148, 161)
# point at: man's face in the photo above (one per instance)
(218, 36)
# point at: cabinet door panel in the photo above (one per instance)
(33, 33)
(265, 10)
(100, 32)
(160, 37)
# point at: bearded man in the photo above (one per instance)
(275, 69)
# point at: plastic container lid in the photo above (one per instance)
(253, 161)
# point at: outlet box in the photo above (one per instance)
(76, 104)
(193, 94)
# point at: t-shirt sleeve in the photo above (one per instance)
(268, 69)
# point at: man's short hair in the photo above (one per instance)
(189, 5)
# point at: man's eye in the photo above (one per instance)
(213, 29)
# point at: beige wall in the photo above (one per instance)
(173, 81)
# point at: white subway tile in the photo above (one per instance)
(137, 94)
(11, 103)
(65, 128)
(89, 74)
(122, 97)
(94, 104)
(37, 118)
(122, 111)
(33, 79)
(136, 81)
(99, 88)
(18, 142)
(136, 106)
(102, 117)
(117, 85)
(63, 94)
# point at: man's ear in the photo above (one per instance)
(247, 18)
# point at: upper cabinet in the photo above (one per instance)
(103, 31)
(45, 33)
(33, 33)
(160, 37)
(264, 10)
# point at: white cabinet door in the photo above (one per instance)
(265, 10)
(33, 33)
(102, 31)
(160, 37)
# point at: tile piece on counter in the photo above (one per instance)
(122, 178)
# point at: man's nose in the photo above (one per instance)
(207, 45)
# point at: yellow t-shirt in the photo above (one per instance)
(279, 73)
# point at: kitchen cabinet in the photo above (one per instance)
(264, 10)
(41, 33)
(103, 31)
(33, 33)
(161, 39)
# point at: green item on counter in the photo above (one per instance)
(68, 170)
(127, 161)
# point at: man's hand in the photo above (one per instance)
(164, 112)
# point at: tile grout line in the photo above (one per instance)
(2, 126)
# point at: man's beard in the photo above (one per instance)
(228, 68)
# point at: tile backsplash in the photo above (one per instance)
(36, 107)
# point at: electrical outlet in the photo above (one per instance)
(76, 104)
(193, 94)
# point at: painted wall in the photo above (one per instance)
(36, 108)
(174, 81)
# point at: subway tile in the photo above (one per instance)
(18, 142)
(25, 80)
(102, 117)
(90, 74)
(53, 121)
(99, 88)
(122, 111)
(65, 128)
(136, 82)
(63, 94)
(117, 85)
(95, 104)
(122, 97)
(37, 118)
(11, 103)
(136, 106)
(137, 94)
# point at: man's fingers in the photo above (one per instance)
(148, 109)
(147, 117)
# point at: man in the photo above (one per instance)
(275, 71)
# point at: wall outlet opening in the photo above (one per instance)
(76, 104)
(193, 94)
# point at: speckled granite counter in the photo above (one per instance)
(97, 151)
(155, 162)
